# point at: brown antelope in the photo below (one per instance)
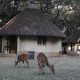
(22, 57)
(42, 61)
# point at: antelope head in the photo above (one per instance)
(52, 68)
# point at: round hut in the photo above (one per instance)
(73, 42)
(31, 30)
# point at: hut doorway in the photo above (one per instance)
(13, 44)
(64, 48)
(10, 44)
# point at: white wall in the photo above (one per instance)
(30, 43)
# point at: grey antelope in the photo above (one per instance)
(22, 57)
(42, 61)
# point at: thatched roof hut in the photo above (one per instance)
(31, 21)
(31, 30)
(72, 43)
(73, 38)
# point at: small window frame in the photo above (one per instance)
(42, 40)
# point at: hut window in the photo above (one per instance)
(42, 40)
(39, 39)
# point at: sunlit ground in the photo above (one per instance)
(66, 68)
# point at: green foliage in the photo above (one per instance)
(67, 15)
(63, 13)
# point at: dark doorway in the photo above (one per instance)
(64, 48)
(13, 44)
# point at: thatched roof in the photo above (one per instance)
(73, 37)
(31, 22)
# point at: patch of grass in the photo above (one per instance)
(65, 69)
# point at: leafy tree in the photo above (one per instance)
(64, 13)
